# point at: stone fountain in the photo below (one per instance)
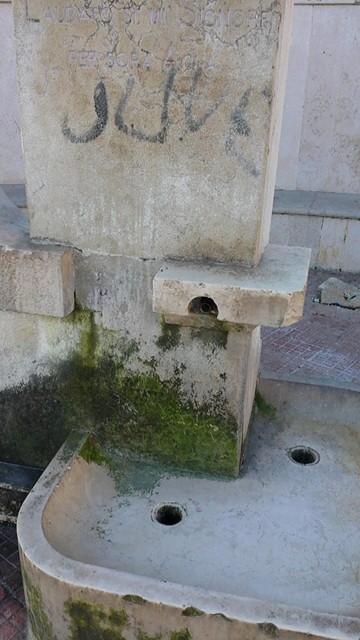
(150, 134)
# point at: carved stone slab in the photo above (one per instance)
(148, 126)
(271, 294)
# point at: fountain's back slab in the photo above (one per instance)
(274, 551)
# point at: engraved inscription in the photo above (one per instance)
(186, 15)
(125, 61)
(157, 17)
(116, 42)
(208, 17)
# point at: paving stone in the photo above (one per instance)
(335, 291)
(327, 336)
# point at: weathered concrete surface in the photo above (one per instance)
(36, 279)
(155, 118)
(271, 294)
(335, 291)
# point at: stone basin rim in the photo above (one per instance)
(35, 547)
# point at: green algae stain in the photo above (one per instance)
(134, 599)
(184, 634)
(270, 629)
(192, 612)
(92, 452)
(265, 408)
(148, 416)
(212, 337)
(141, 413)
(39, 621)
(92, 622)
(141, 635)
(95, 391)
(170, 336)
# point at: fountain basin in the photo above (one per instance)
(113, 547)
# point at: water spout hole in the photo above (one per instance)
(203, 305)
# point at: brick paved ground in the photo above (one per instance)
(12, 606)
(325, 344)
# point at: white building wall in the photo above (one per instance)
(320, 143)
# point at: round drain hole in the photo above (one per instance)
(304, 455)
(169, 513)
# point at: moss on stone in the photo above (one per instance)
(192, 612)
(149, 416)
(215, 337)
(141, 635)
(134, 411)
(92, 452)
(130, 597)
(267, 410)
(184, 634)
(93, 622)
(95, 390)
(71, 445)
(269, 629)
(170, 335)
(39, 621)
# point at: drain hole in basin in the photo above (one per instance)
(168, 514)
(304, 455)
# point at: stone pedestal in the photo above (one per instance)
(150, 134)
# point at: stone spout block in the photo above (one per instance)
(34, 278)
(270, 294)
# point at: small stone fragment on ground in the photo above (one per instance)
(335, 291)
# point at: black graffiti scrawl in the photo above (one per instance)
(101, 108)
(102, 112)
(239, 127)
(164, 120)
